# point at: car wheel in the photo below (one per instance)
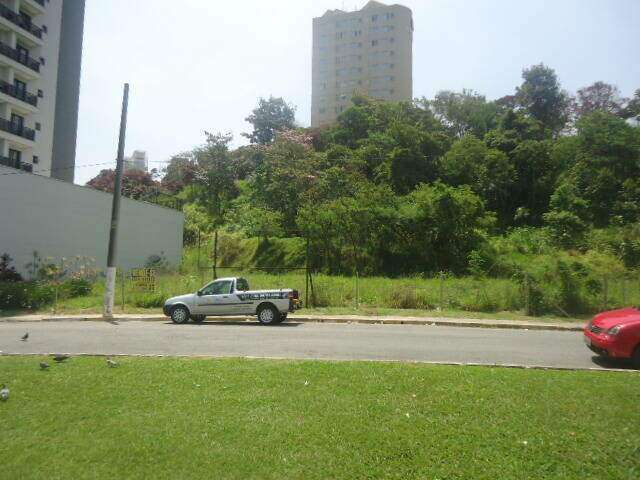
(635, 358)
(180, 315)
(198, 318)
(268, 315)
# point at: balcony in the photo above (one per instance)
(12, 91)
(10, 162)
(20, 21)
(16, 129)
(14, 54)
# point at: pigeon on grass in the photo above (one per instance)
(112, 363)
(25, 337)
(4, 393)
(60, 357)
(44, 365)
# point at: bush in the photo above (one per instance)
(149, 300)
(25, 295)
(76, 287)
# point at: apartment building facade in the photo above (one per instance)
(137, 161)
(40, 60)
(368, 51)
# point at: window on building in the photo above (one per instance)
(20, 88)
(15, 156)
(374, 43)
(356, 33)
(23, 53)
(322, 110)
(40, 93)
(374, 18)
(17, 121)
(38, 126)
(36, 160)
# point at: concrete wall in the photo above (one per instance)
(58, 219)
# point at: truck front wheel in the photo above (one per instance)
(268, 314)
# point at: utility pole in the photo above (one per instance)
(110, 294)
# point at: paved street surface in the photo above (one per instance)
(305, 340)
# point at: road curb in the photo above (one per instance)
(333, 360)
(471, 323)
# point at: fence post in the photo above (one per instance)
(215, 254)
(527, 305)
(124, 280)
(441, 305)
(357, 292)
(306, 277)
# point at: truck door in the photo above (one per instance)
(216, 299)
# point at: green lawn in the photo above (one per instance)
(156, 418)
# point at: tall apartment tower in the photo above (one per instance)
(40, 58)
(367, 51)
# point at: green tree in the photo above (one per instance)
(487, 171)
(440, 225)
(465, 112)
(214, 179)
(607, 163)
(541, 97)
(268, 118)
(284, 179)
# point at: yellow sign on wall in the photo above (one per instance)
(143, 279)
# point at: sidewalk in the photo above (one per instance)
(384, 320)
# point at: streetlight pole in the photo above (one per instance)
(110, 294)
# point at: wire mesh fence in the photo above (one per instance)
(76, 284)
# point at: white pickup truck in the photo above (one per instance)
(231, 296)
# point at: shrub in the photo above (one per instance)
(149, 300)
(76, 287)
(25, 295)
(404, 297)
(7, 272)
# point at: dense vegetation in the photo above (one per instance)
(536, 183)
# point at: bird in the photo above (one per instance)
(4, 393)
(112, 363)
(25, 337)
(60, 358)
(44, 365)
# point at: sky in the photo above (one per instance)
(201, 65)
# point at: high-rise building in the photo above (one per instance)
(137, 161)
(367, 51)
(40, 59)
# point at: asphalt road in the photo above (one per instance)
(306, 341)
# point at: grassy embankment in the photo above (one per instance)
(605, 285)
(199, 418)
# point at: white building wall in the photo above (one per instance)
(58, 219)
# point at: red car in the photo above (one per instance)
(615, 334)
